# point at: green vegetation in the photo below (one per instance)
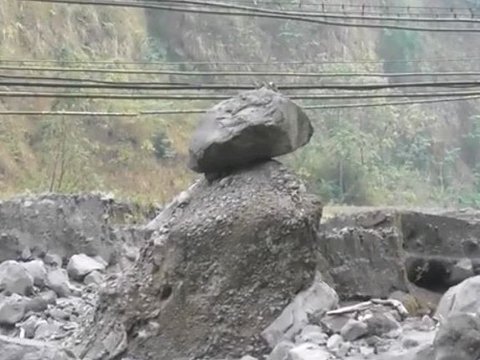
(409, 155)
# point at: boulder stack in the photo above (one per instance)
(254, 126)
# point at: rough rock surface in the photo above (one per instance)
(253, 126)
(66, 225)
(219, 268)
(458, 338)
(464, 297)
(23, 349)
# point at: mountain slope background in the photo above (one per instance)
(423, 154)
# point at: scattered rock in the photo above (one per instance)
(312, 334)
(53, 259)
(334, 342)
(95, 278)
(57, 280)
(309, 351)
(37, 304)
(464, 297)
(354, 330)
(319, 297)
(458, 338)
(409, 343)
(334, 323)
(381, 323)
(12, 310)
(14, 279)
(26, 254)
(254, 126)
(24, 349)
(45, 330)
(50, 296)
(81, 265)
(30, 325)
(38, 271)
(281, 351)
(462, 270)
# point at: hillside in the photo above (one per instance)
(418, 154)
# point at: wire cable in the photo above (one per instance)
(196, 111)
(191, 97)
(256, 14)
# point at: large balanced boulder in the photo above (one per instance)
(253, 126)
(219, 268)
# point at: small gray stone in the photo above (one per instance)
(381, 323)
(57, 280)
(38, 271)
(37, 304)
(26, 254)
(334, 342)
(14, 279)
(94, 278)
(53, 259)
(409, 343)
(49, 296)
(81, 265)
(334, 323)
(46, 329)
(280, 352)
(312, 334)
(354, 330)
(30, 325)
(59, 314)
(12, 310)
(309, 351)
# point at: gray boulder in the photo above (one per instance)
(381, 323)
(12, 310)
(458, 338)
(23, 349)
(464, 297)
(354, 330)
(252, 126)
(81, 265)
(14, 278)
(319, 297)
(57, 280)
(38, 271)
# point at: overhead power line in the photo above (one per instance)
(326, 15)
(257, 13)
(235, 63)
(319, 74)
(190, 97)
(197, 111)
(153, 86)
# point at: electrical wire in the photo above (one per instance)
(325, 86)
(256, 14)
(196, 111)
(190, 97)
